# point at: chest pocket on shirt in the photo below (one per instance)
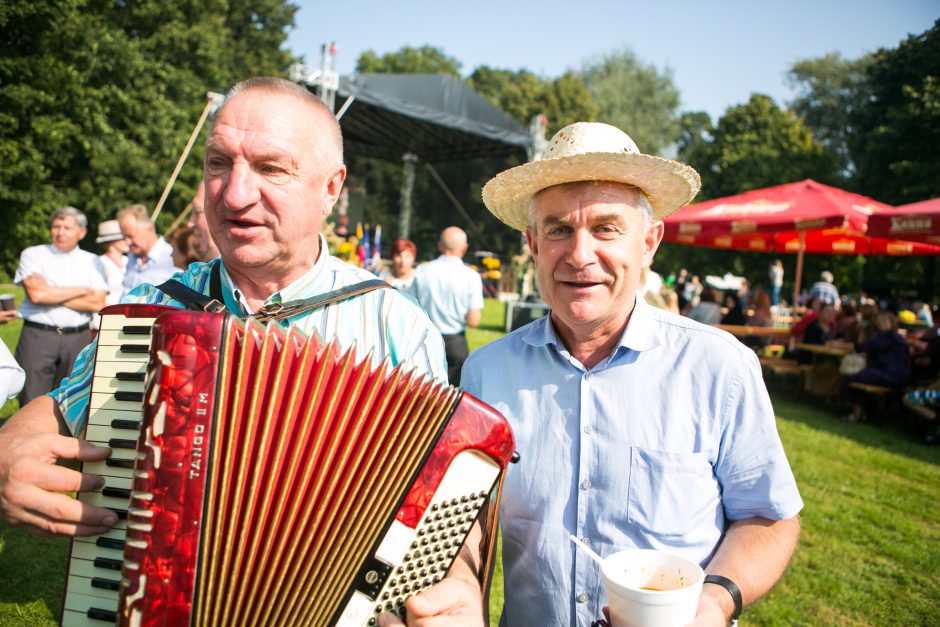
(672, 494)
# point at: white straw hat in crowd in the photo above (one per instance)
(591, 151)
(108, 231)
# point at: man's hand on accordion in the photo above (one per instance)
(34, 491)
(455, 601)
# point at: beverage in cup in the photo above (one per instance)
(6, 302)
(651, 588)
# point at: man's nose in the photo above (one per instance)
(581, 252)
(242, 190)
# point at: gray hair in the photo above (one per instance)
(139, 213)
(69, 212)
(643, 201)
(329, 144)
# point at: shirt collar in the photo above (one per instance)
(294, 291)
(640, 334)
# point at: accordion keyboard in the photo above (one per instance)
(114, 414)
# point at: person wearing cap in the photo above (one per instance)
(636, 428)
(824, 290)
(151, 257)
(64, 286)
(202, 238)
(113, 259)
(452, 294)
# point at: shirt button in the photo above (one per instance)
(586, 485)
(583, 597)
(589, 429)
(588, 376)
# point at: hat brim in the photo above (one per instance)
(106, 239)
(668, 184)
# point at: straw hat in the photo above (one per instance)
(591, 151)
(108, 231)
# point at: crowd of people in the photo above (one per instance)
(636, 427)
(894, 342)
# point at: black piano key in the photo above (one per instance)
(110, 564)
(110, 543)
(121, 513)
(130, 425)
(105, 584)
(136, 330)
(120, 443)
(118, 493)
(130, 376)
(99, 614)
(135, 348)
(120, 463)
(136, 397)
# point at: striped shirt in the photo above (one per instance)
(385, 323)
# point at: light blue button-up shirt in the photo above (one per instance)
(159, 266)
(447, 289)
(659, 446)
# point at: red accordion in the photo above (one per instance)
(276, 480)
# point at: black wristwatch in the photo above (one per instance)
(732, 589)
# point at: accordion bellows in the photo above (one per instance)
(281, 481)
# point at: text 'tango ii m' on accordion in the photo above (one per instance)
(277, 480)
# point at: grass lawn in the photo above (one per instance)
(869, 555)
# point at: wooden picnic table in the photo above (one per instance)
(746, 330)
(825, 349)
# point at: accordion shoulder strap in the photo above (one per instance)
(282, 311)
(193, 300)
(212, 302)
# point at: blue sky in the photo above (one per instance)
(719, 51)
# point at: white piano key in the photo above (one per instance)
(116, 337)
(110, 384)
(114, 353)
(76, 618)
(106, 369)
(107, 401)
(111, 323)
(105, 416)
(88, 551)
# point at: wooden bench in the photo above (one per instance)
(784, 368)
(880, 393)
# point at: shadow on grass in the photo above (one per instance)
(32, 569)
(897, 433)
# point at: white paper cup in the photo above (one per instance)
(647, 588)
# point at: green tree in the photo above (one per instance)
(753, 145)
(522, 95)
(98, 99)
(830, 90)
(897, 131)
(635, 97)
(408, 60)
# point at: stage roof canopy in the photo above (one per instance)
(434, 116)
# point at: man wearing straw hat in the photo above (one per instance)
(636, 428)
(114, 259)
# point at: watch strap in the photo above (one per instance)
(732, 589)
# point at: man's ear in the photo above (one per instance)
(334, 185)
(654, 235)
(532, 241)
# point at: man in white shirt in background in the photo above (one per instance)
(64, 286)
(151, 257)
(452, 294)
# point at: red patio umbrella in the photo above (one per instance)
(795, 217)
(917, 222)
